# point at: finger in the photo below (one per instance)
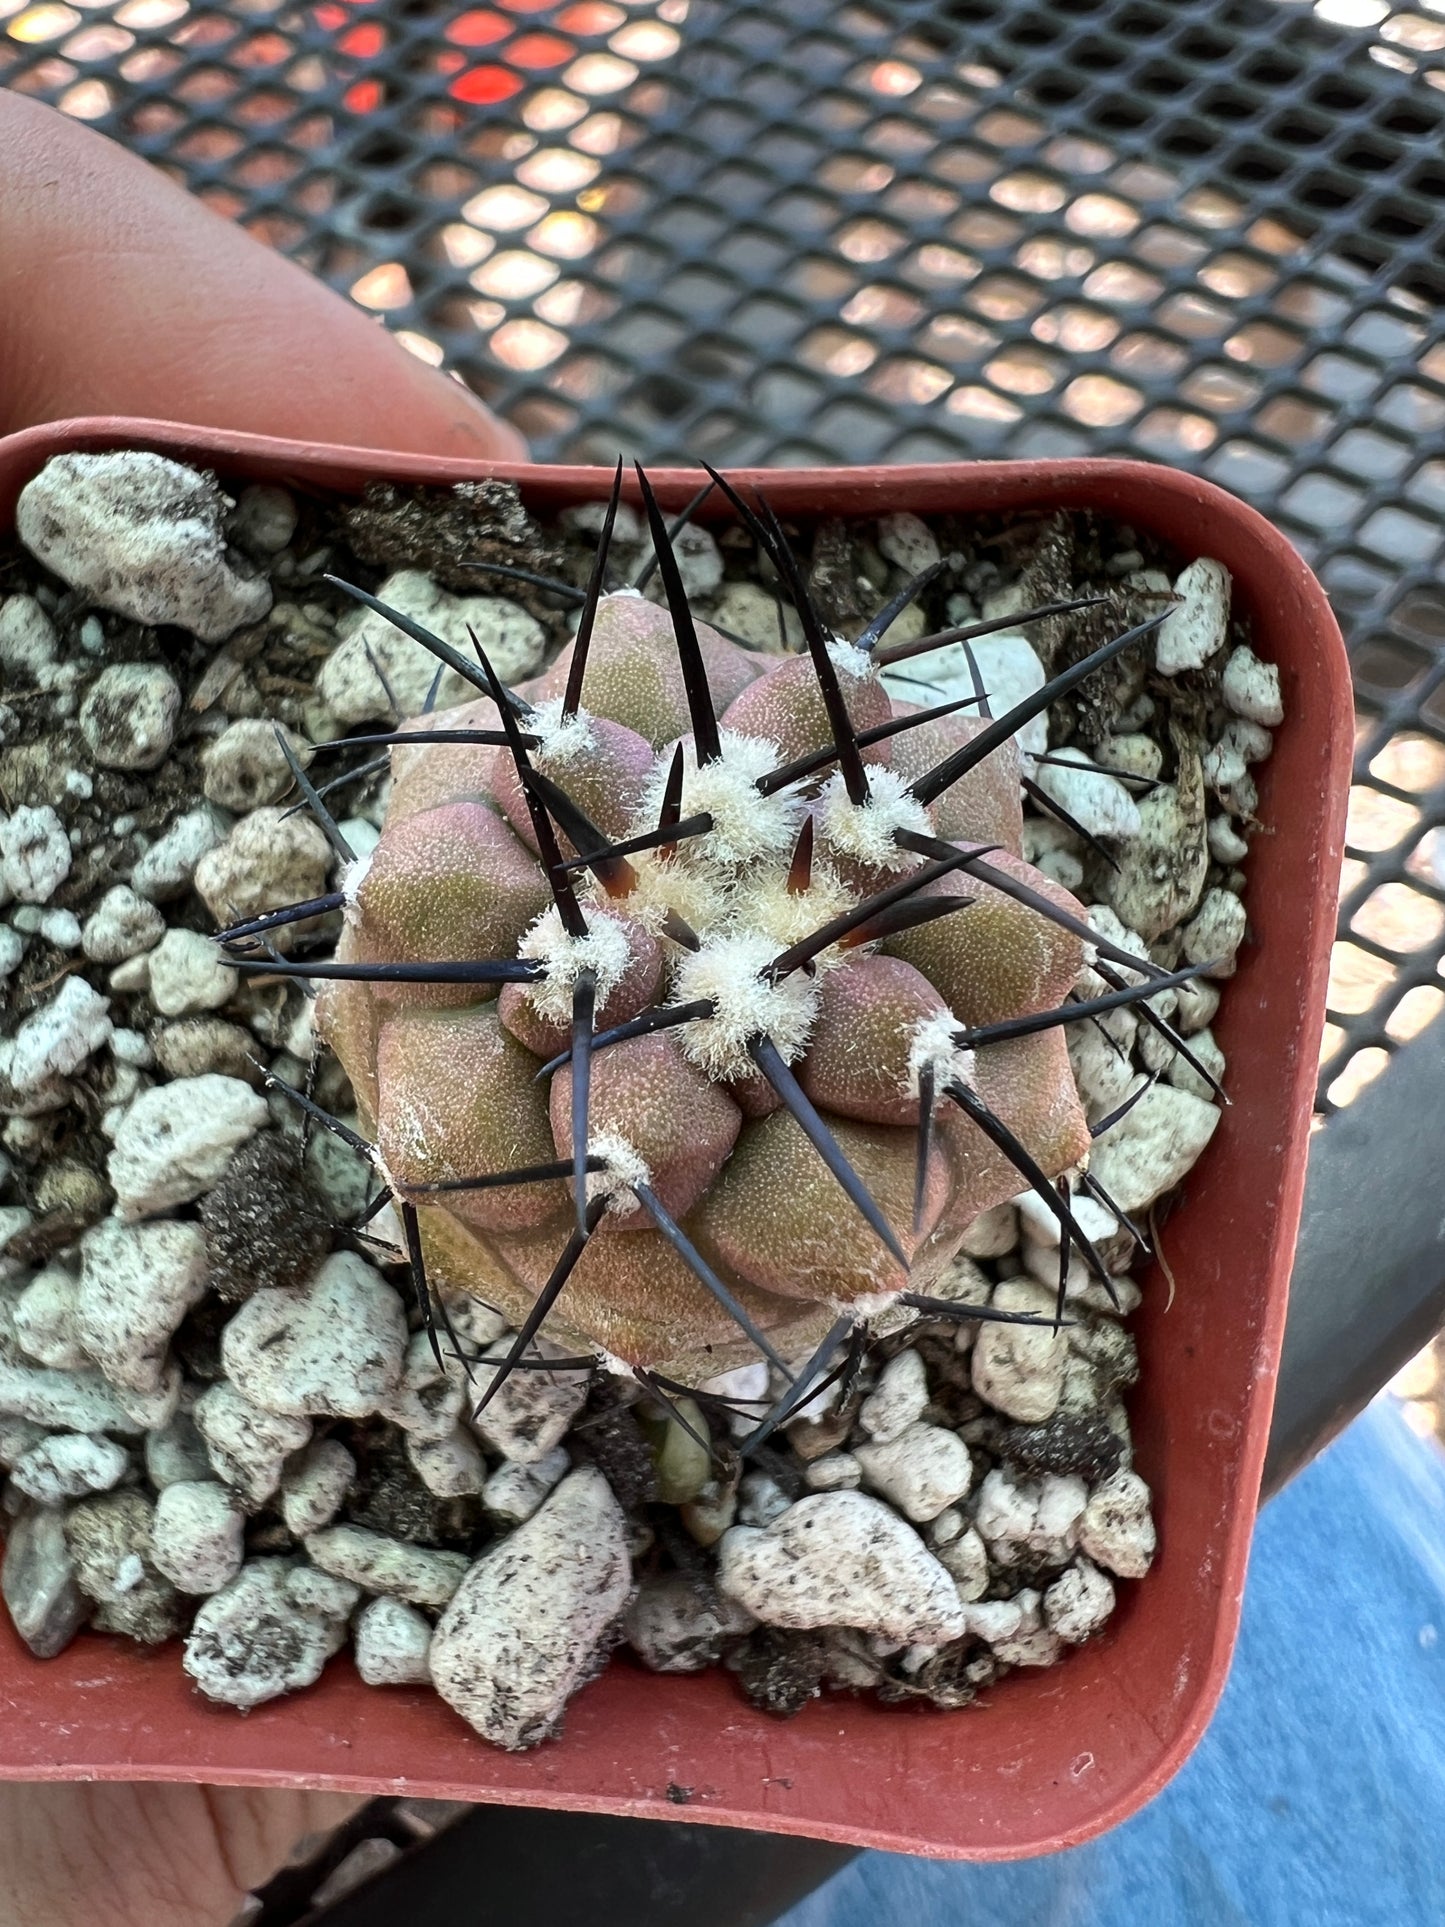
(121, 295)
(147, 1856)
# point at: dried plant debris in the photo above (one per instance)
(661, 1032)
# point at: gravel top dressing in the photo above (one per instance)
(833, 1102)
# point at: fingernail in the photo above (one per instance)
(491, 437)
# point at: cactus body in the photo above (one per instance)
(688, 1118)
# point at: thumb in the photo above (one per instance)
(121, 295)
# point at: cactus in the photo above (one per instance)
(697, 1000)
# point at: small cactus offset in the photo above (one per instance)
(697, 1000)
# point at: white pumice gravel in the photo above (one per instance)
(1226, 845)
(247, 1445)
(264, 519)
(314, 1484)
(897, 1401)
(841, 1559)
(1079, 1602)
(1251, 688)
(198, 1538)
(760, 1500)
(513, 1492)
(46, 1323)
(1018, 1635)
(332, 1348)
(452, 1467)
(993, 1234)
(839, 1472)
(37, 1579)
(676, 1625)
(121, 925)
(269, 858)
(142, 535)
(250, 1642)
(1215, 932)
(60, 928)
(137, 1282)
(128, 717)
(1020, 1368)
(1191, 633)
(747, 610)
(246, 767)
(907, 540)
(920, 1472)
(1151, 1149)
(965, 1559)
(64, 1401)
(68, 1465)
(1116, 1528)
(534, 1618)
(1097, 801)
(531, 1413)
(376, 1563)
(188, 973)
(1162, 870)
(349, 685)
(175, 1453)
(1005, 1515)
(314, 1591)
(427, 1397)
(391, 1643)
(166, 869)
(1038, 1223)
(56, 1040)
(158, 1406)
(28, 642)
(34, 853)
(176, 1140)
(1008, 665)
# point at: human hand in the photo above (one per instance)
(82, 1854)
(120, 295)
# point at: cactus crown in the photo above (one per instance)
(696, 1000)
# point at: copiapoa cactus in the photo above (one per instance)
(696, 1000)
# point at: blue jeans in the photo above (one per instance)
(1317, 1798)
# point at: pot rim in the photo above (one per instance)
(794, 1779)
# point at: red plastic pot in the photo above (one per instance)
(1054, 1757)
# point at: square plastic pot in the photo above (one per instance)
(1053, 1757)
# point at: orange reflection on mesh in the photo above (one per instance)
(478, 27)
(482, 86)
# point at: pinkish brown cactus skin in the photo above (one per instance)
(446, 1076)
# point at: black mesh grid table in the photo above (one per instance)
(887, 231)
(1208, 232)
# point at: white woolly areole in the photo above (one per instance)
(933, 1048)
(771, 907)
(625, 1170)
(354, 875)
(726, 971)
(865, 830)
(563, 737)
(851, 660)
(604, 949)
(746, 825)
(703, 898)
